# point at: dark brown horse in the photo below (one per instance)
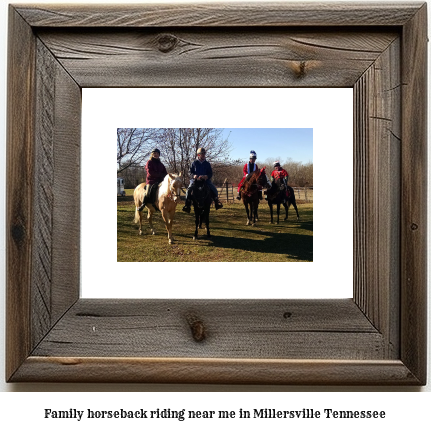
(201, 198)
(276, 195)
(250, 193)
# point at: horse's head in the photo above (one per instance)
(201, 193)
(279, 184)
(175, 184)
(262, 179)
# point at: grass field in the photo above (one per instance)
(231, 240)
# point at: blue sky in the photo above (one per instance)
(296, 144)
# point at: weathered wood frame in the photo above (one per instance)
(378, 337)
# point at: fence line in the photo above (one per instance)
(303, 193)
(227, 193)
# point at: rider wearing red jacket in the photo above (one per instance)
(156, 172)
(249, 167)
(280, 173)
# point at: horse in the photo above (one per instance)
(167, 196)
(201, 198)
(250, 193)
(276, 195)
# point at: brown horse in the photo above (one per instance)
(250, 193)
(276, 195)
(167, 196)
(201, 198)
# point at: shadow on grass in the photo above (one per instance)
(123, 199)
(295, 246)
(231, 239)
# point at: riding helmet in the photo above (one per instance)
(277, 163)
(155, 150)
(201, 150)
(253, 155)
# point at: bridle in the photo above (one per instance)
(203, 187)
(173, 192)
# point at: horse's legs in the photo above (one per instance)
(296, 209)
(278, 212)
(286, 207)
(271, 212)
(253, 213)
(207, 221)
(168, 224)
(197, 217)
(248, 213)
(138, 219)
(150, 219)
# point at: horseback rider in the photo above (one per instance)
(248, 168)
(280, 173)
(201, 170)
(156, 172)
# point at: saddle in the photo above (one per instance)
(151, 193)
(199, 184)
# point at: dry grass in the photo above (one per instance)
(231, 240)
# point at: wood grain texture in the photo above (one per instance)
(55, 278)
(215, 371)
(220, 15)
(234, 329)
(378, 337)
(208, 58)
(414, 191)
(377, 100)
(43, 200)
(20, 195)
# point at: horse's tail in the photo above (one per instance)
(292, 197)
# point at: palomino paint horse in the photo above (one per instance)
(250, 193)
(277, 196)
(167, 196)
(201, 198)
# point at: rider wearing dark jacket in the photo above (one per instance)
(156, 172)
(201, 169)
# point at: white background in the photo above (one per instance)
(406, 408)
(329, 112)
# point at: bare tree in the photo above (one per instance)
(269, 163)
(179, 147)
(300, 175)
(133, 146)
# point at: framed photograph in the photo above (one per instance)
(377, 337)
(234, 250)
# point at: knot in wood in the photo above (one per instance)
(414, 226)
(300, 69)
(197, 327)
(167, 42)
(18, 233)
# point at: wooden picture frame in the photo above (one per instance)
(376, 338)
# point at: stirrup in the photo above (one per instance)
(218, 205)
(186, 208)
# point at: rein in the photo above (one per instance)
(251, 185)
(276, 189)
(172, 193)
(205, 197)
